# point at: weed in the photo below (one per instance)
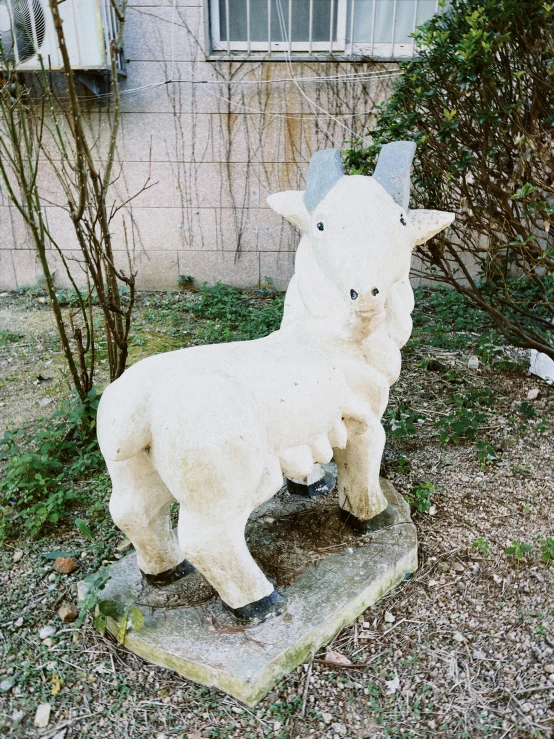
(43, 465)
(518, 550)
(90, 602)
(402, 421)
(547, 551)
(482, 545)
(403, 465)
(463, 423)
(420, 496)
(9, 337)
(527, 410)
(486, 453)
(490, 347)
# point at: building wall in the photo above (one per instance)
(209, 155)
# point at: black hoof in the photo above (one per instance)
(169, 576)
(320, 487)
(260, 610)
(386, 518)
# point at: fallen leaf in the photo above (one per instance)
(391, 686)
(337, 658)
(56, 684)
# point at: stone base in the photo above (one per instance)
(200, 643)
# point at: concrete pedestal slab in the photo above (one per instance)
(203, 643)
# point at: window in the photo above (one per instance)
(353, 28)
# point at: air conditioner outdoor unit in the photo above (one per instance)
(27, 31)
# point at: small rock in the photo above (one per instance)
(457, 636)
(533, 394)
(473, 363)
(17, 716)
(276, 726)
(47, 631)
(60, 734)
(432, 510)
(526, 707)
(65, 565)
(327, 718)
(464, 478)
(479, 654)
(389, 618)
(457, 567)
(42, 716)
(433, 365)
(339, 729)
(42, 301)
(365, 624)
(549, 669)
(68, 613)
(48, 642)
(392, 686)
(19, 623)
(442, 566)
(7, 684)
(17, 556)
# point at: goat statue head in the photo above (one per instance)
(360, 229)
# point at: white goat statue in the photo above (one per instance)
(215, 427)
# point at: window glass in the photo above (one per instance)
(258, 20)
(384, 14)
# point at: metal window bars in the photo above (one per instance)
(235, 27)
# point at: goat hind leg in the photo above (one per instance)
(218, 549)
(140, 506)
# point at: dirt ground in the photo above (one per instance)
(465, 648)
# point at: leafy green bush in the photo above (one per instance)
(42, 465)
(479, 103)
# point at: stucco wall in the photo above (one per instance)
(210, 155)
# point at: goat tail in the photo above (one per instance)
(123, 424)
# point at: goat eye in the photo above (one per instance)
(402, 221)
(320, 226)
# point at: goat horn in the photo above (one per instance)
(324, 172)
(393, 170)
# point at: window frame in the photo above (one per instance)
(343, 48)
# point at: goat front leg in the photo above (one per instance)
(364, 506)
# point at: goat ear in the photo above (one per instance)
(290, 205)
(424, 224)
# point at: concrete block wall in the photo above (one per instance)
(210, 154)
